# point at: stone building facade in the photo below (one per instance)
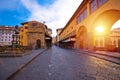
(34, 34)
(6, 33)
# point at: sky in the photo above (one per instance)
(55, 13)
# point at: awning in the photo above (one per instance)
(69, 39)
(47, 38)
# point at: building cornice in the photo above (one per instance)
(75, 13)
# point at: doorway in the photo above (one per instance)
(38, 43)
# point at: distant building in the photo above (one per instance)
(54, 40)
(57, 38)
(34, 34)
(112, 41)
(115, 36)
(49, 31)
(6, 33)
(58, 32)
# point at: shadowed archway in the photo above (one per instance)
(38, 43)
(82, 35)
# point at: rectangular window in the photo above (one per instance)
(21, 37)
(6, 32)
(82, 16)
(78, 19)
(101, 2)
(26, 27)
(84, 13)
(34, 24)
(93, 5)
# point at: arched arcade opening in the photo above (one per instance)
(103, 36)
(81, 37)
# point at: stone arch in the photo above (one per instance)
(106, 20)
(82, 35)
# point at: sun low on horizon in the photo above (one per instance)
(99, 29)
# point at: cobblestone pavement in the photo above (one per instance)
(65, 64)
(9, 65)
(113, 54)
(109, 56)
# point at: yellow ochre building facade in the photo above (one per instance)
(91, 17)
(35, 34)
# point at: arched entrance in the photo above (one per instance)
(82, 37)
(104, 22)
(38, 43)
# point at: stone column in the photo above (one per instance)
(77, 43)
(90, 41)
(119, 45)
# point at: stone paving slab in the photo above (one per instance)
(114, 54)
(106, 53)
(109, 56)
(9, 65)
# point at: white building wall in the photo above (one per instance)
(6, 37)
